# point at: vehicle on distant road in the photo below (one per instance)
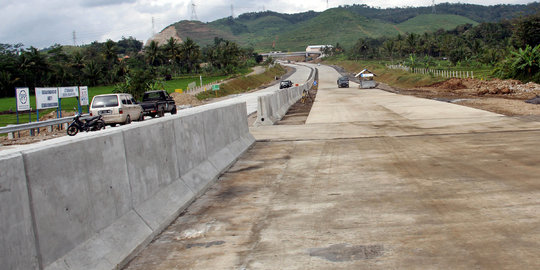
(157, 103)
(343, 82)
(116, 108)
(285, 84)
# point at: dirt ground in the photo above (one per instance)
(500, 96)
(298, 112)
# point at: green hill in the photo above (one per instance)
(344, 25)
(330, 27)
(433, 22)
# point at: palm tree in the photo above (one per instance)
(191, 54)
(77, 63)
(34, 66)
(152, 53)
(110, 53)
(390, 46)
(92, 72)
(411, 41)
(172, 51)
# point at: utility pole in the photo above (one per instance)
(193, 12)
(74, 38)
(153, 27)
(232, 12)
(326, 4)
(433, 7)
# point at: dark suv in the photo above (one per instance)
(343, 82)
(285, 84)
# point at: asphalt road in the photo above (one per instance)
(373, 180)
(299, 77)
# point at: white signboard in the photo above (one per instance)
(83, 95)
(23, 99)
(67, 92)
(46, 98)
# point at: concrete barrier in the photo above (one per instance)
(272, 107)
(17, 241)
(93, 202)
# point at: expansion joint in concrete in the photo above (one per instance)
(32, 214)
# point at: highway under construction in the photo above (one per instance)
(372, 180)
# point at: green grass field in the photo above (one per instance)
(7, 104)
(244, 83)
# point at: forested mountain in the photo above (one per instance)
(476, 13)
(345, 24)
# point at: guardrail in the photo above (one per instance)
(436, 72)
(11, 129)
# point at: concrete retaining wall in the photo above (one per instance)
(93, 202)
(272, 107)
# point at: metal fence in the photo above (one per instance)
(197, 89)
(435, 72)
(49, 124)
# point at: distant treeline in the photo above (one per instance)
(125, 63)
(474, 12)
(512, 48)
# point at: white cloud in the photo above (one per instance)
(43, 23)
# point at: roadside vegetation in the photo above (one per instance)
(124, 66)
(125, 63)
(8, 104)
(506, 50)
(245, 83)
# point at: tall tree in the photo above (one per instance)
(528, 31)
(110, 53)
(34, 67)
(152, 53)
(172, 52)
(191, 54)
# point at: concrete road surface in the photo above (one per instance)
(373, 180)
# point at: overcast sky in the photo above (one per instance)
(42, 23)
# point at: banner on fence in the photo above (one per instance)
(67, 92)
(83, 92)
(23, 99)
(46, 98)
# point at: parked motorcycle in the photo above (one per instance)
(89, 124)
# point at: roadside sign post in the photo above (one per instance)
(83, 99)
(23, 103)
(215, 88)
(46, 98)
(68, 92)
